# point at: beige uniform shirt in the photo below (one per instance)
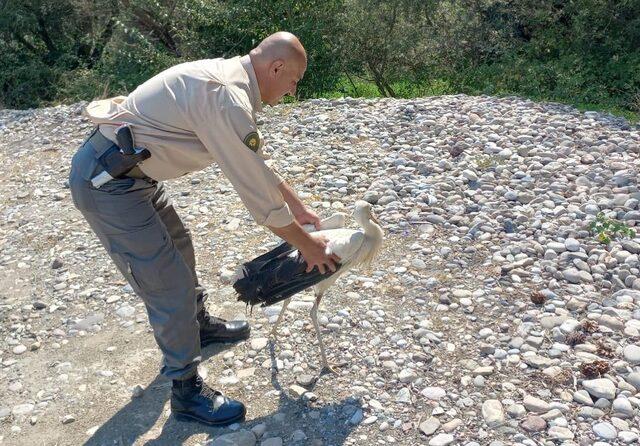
(195, 114)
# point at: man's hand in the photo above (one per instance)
(312, 249)
(315, 254)
(306, 216)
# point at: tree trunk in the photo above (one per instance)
(44, 35)
(383, 86)
(98, 47)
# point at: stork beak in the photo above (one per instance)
(374, 219)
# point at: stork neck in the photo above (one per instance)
(370, 228)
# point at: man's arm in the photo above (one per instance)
(291, 198)
(313, 249)
(301, 213)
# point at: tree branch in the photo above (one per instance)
(25, 43)
(98, 48)
(42, 31)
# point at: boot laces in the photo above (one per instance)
(216, 397)
(212, 319)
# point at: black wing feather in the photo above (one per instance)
(276, 276)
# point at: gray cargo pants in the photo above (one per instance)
(138, 226)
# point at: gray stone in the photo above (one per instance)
(493, 413)
(605, 430)
(429, 426)
(441, 440)
(583, 397)
(356, 418)
(240, 438)
(407, 376)
(560, 433)
(533, 423)
(572, 244)
(273, 441)
(634, 379)
(537, 361)
(22, 409)
(622, 408)
(403, 395)
(516, 410)
(533, 404)
(627, 437)
(632, 353)
(68, 419)
(433, 393)
(600, 388)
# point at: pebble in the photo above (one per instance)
(632, 353)
(239, 438)
(600, 388)
(68, 419)
(273, 441)
(19, 349)
(429, 426)
(493, 413)
(533, 423)
(433, 393)
(605, 430)
(533, 404)
(560, 433)
(488, 269)
(441, 440)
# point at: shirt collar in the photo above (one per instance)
(253, 82)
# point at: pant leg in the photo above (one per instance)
(181, 237)
(123, 217)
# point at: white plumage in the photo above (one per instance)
(354, 247)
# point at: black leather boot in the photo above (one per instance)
(215, 329)
(193, 400)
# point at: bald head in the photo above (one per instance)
(279, 62)
(280, 45)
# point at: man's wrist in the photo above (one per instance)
(296, 206)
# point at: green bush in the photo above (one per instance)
(583, 52)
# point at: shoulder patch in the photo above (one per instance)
(252, 140)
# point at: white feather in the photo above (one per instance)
(354, 247)
(334, 222)
(344, 243)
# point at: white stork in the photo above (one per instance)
(354, 247)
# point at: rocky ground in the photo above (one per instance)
(492, 317)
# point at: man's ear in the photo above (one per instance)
(276, 67)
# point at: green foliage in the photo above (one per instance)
(486, 162)
(583, 52)
(606, 229)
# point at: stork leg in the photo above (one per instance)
(274, 330)
(314, 318)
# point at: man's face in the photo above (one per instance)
(284, 77)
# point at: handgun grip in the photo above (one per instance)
(124, 137)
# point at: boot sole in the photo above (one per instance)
(190, 418)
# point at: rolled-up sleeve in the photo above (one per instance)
(228, 131)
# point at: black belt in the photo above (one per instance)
(101, 144)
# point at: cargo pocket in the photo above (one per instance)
(149, 255)
(82, 165)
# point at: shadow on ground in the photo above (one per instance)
(136, 418)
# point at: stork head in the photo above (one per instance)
(363, 214)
